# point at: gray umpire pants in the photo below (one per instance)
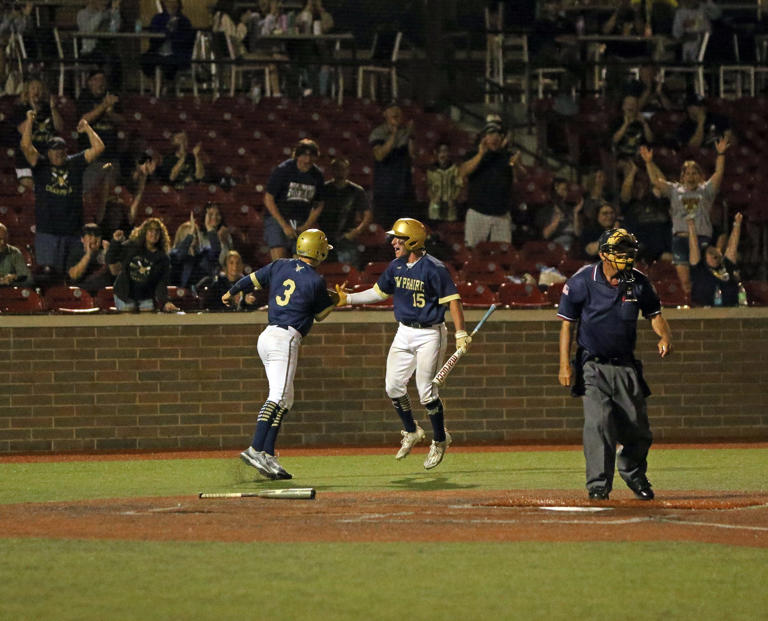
(614, 412)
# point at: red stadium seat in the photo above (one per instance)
(476, 295)
(554, 291)
(105, 299)
(372, 271)
(662, 270)
(522, 295)
(338, 273)
(545, 252)
(20, 300)
(671, 292)
(64, 299)
(184, 298)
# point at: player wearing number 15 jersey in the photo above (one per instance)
(421, 288)
(297, 297)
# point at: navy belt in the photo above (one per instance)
(416, 324)
(282, 327)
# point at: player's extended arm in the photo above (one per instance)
(457, 315)
(661, 328)
(369, 296)
(247, 284)
(565, 374)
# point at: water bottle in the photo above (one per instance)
(742, 295)
(137, 26)
(718, 297)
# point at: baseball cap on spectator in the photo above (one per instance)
(57, 142)
(392, 103)
(492, 128)
(91, 229)
(95, 72)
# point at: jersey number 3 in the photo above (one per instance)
(290, 287)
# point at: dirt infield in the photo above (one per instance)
(449, 516)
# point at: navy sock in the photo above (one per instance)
(263, 423)
(403, 409)
(435, 412)
(274, 429)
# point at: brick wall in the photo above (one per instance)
(83, 383)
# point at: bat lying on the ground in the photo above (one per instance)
(294, 493)
(439, 379)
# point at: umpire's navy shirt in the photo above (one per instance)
(608, 314)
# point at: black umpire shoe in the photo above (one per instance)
(642, 488)
(598, 493)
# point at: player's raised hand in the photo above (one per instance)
(226, 299)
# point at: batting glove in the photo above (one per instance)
(342, 301)
(463, 340)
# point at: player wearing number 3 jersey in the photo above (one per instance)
(421, 288)
(297, 297)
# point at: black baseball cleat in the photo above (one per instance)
(642, 488)
(598, 493)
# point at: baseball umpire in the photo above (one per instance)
(297, 297)
(421, 286)
(605, 298)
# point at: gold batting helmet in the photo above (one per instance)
(313, 244)
(412, 231)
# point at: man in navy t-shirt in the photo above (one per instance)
(58, 179)
(294, 199)
(605, 299)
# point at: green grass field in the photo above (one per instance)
(95, 580)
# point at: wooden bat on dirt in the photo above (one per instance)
(293, 493)
(439, 379)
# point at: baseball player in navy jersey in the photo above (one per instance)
(297, 297)
(605, 299)
(421, 287)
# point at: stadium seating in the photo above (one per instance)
(20, 300)
(65, 299)
(522, 295)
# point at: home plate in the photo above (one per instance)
(576, 509)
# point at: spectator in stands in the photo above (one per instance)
(715, 280)
(560, 222)
(142, 169)
(183, 167)
(596, 195)
(101, 16)
(58, 181)
(444, 185)
(630, 130)
(16, 18)
(690, 24)
(294, 199)
(305, 55)
(47, 123)
(88, 268)
(216, 242)
(626, 20)
(646, 213)
(590, 236)
(13, 268)
(189, 262)
(489, 175)
(702, 127)
(102, 110)
(346, 213)
(690, 198)
(272, 20)
(650, 91)
(394, 148)
(174, 52)
(233, 271)
(142, 267)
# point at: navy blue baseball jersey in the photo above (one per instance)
(294, 191)
(420, 291)
(608, 325)
(297, 293)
